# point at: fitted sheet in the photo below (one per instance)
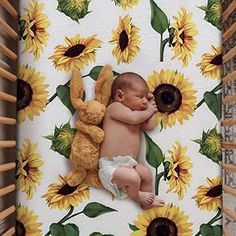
(183, 152)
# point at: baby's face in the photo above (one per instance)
(136, 97)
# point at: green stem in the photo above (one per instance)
(157, 181)
(74, 215)
(163, 44)
(213, 220)
(68, 214)
(162, 47)
(218, 87)
(161, 54)
(55, 94)
(65, 218)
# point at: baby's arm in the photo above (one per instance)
(122, 113)
(150, 123)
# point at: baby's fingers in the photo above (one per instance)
(150, 97)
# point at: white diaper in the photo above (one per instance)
(106, 170)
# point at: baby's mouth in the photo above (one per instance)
(143, 108)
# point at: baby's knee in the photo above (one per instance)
(146, 174)
(134, 177)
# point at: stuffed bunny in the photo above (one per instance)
(86, 143)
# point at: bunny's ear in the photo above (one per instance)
(76, 89)
(103, 85)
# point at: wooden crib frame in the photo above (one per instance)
(8, 27)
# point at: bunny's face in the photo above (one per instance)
(92, 112)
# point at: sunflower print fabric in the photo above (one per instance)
(176, 47)
(33, 27)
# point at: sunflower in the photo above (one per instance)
(167, 220)
(126, 40)
(78, 52)
(28, 174)
(211, 64)
(209, 197)
(61, 196)
(26, 222)
(74, 9)
(178, 175)
(126, 3)
(183, 39)
(34, 32)
(31, 93)
(174, 96)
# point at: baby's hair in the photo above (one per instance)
(126, 80)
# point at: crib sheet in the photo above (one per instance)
(176, 47)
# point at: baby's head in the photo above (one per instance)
(131, 90)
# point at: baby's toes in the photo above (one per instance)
(149, 200)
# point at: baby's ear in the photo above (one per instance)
(103, 85)
(76, 89)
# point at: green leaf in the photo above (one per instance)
(159, 19)
(133, 227)
(22, 29)
(63, 92)
(198, 141)
(49, 137)
(217, 229)
(96, 70)
(154, 154)
(95, 209)
(206, 230)
(71, 230)
(209, 230)
(213, 101)
(57, 229)
(204, 8)
(99, 234)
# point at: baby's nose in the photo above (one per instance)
(145, 101)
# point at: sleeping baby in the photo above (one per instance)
(133, 109)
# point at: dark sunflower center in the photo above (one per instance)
(67, 189)
(20, 229)
(26, 168)
(182, 36)
(162, 227)
(75, 50)
(123, 40)
(24, 94)
(33, 28)
(177, 169)
(217, 60)
(216, 191)
(168, 98)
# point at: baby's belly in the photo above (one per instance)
(125, 145)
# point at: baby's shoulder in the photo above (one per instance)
(114, 105)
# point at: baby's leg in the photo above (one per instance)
(129, 178)
(146, 185)
(145, 176)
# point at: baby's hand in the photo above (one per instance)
(150, 97)
(152, 107)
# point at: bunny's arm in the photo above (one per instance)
(96, 133)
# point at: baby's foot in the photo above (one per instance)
(157, 202)
(145, 198)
